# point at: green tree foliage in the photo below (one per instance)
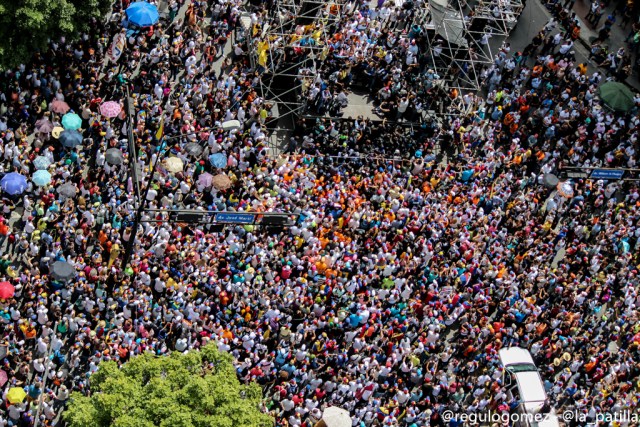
(198, 389)
(27, 25)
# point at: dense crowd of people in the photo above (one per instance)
(403, 275)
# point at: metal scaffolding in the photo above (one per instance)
(289, 40)
(285, 49)
(458, 33)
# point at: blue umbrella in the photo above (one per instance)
(41, 162)
(13, 183)
(71, 121)
(466, 175)
(142, 14)
(41, 178)
(70, 138)
(218, 160)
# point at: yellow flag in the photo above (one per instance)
(262, 53)
(160, 131)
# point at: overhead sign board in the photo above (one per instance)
(235, 218)
(606, 174)
(190, 217)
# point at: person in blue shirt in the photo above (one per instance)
(34, 391)
(496, 114)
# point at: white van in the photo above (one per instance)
(522, 381)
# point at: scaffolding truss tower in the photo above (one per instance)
(459, 34)
(286, 48)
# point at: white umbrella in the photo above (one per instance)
(565, 189)
(336, 417)
(173, 164)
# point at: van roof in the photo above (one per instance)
(515, 356)
(531, 390)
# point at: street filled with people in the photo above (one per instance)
(416, 253)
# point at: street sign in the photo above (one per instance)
(189, 217)
(606, 174)
(234, 218)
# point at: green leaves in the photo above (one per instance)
(27, 25)
(173, 391)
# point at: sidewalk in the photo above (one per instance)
(616, 39)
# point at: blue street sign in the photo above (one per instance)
(606, 174)
(235, 218)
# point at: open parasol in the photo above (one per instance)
(44, 126)
(70, 138)
(71, 121)
(173, 164)
(221, 182)
(565, 189)
(16, 395)
(41, 178)
(218, 160)
(62, 271)
(193, 149)
(13, 183)
(41, 163)
(550, 180)
(110, 109)
(205, 180)
(142, 14)
(7, 290)
(67, 190)
(59, 107)
(617, 96)
(3, 378)
(57, 131)
(114, 156)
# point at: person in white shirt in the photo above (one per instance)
(403, 105)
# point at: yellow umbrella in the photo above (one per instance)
(16, 395)
(56, 132)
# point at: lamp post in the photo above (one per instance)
(142, 204)
(45, 378)
(141, 207)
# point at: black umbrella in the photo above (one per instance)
(193, 149)
(70, 138)
(67, 190)
(63, 271)
(113, 156)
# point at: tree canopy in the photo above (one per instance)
(198, 389)
(27, 25)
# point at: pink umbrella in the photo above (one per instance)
(206, 179)
(110, 109)
(44, 126)
(7, 290)
(59, 107)
(3, 378)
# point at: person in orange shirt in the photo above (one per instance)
(321, 266)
